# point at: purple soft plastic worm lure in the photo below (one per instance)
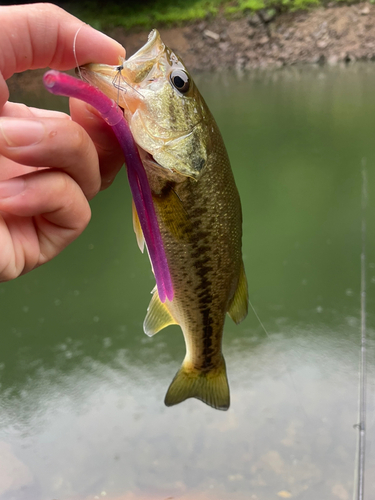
(66, 85)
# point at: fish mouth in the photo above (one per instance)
(130, 71)
(150, 50)
(112, 81)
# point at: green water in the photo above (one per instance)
(82, 388)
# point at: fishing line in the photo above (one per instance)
(75, 51)
(119, 78)
(118, 75)
(258, 318)
(284, 362)
(359, 478)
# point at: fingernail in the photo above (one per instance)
(12, 187)
(18, 133)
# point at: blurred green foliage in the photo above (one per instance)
(151, 13)
(144, 14)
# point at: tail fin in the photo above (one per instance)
(210, 387)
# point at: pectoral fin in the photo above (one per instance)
(137, 228)
(173, 214)
(239, 305)
(157, 317)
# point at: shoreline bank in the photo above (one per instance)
(323, 35)
(331, 35)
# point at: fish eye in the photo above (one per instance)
(180, 80)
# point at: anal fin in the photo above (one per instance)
(157, 317)
(239, 305)
(137, 228)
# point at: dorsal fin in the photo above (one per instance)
(137, 228)
(239, 304)
(157, 317)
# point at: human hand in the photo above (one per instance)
(50, 164)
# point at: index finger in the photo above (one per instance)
(40, 35)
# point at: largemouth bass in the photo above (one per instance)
(197, 207)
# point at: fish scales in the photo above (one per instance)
(200, 275)
(197, 207)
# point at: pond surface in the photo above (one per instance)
(82, 388)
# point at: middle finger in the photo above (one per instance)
(16, 109)
(54, 143)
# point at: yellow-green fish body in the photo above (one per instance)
(197, 207)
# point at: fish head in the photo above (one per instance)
(165, 111)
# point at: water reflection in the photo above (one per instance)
(82, 388)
